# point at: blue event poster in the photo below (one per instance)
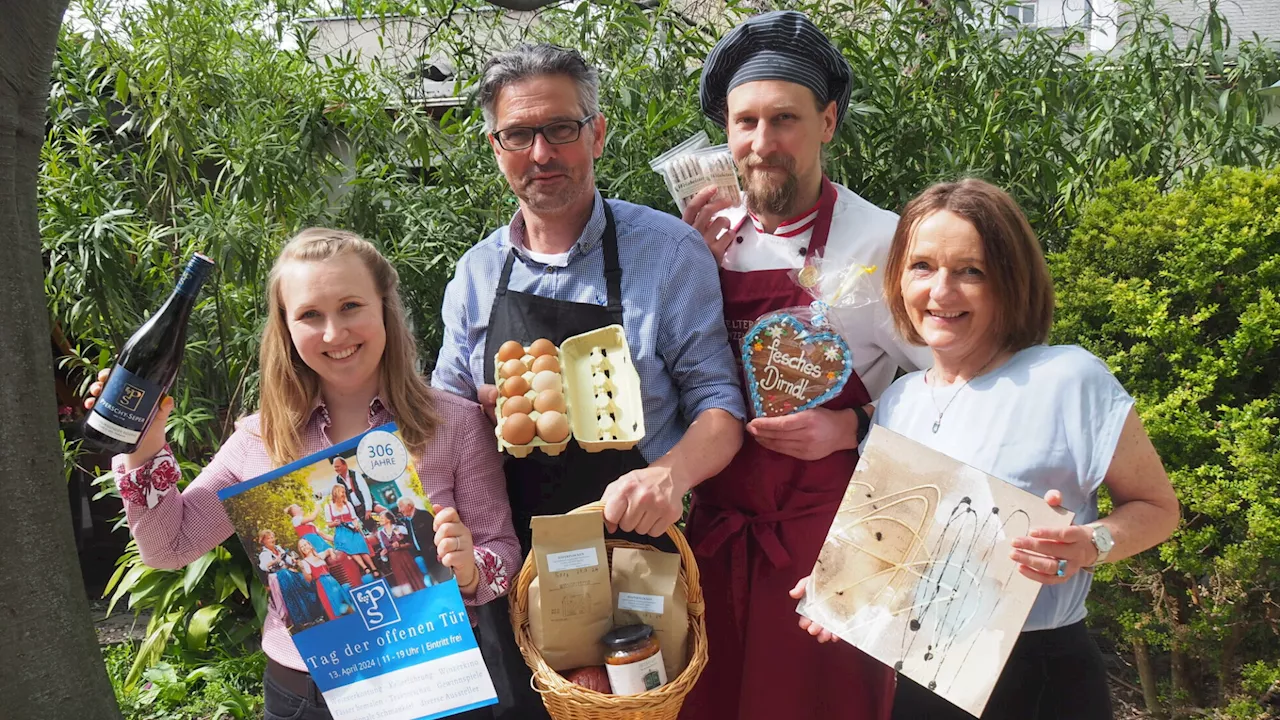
(343, 542)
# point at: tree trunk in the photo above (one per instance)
(1181, 662)
(1180, 667)
(51, 666)
(1227, 670)
(1147, 678)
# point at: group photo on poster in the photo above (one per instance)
(344, 542)
(327, 528)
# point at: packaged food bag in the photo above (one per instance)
(570, 601)
(647, 590)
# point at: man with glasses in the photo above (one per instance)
(570, 262)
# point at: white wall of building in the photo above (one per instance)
(1101, 17)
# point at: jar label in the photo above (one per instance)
(124, 407)
(638, 677)
(637, 602)
(572, 560)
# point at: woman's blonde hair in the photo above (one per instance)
(290, 387)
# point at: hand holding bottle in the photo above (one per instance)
(153, 440)
(128, 404)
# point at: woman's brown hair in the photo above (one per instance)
(1015, 266)
(290, 388)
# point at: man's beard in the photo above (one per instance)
(765, 193)
(550, 199)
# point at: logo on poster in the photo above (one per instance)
(376, 606)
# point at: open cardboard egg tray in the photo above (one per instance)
(601, 395)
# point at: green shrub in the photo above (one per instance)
(227, 689)
(1177, 292)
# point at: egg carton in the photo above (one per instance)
(601, 392)
(537, 443)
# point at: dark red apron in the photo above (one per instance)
(756, 528)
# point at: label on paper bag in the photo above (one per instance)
(637, 677)
(637, 602)
(572, 560)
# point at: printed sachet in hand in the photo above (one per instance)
(695, 164)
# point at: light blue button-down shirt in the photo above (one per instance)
(673, 314)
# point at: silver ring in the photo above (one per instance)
(1062, 568)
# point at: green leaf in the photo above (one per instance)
(196, 570)
(149, 652)
(201, 624)
(122, 87)
(136, 573)
(237, 577)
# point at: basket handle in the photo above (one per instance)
(682, 547)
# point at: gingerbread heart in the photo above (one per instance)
(792, 366)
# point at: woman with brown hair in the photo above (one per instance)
(966, 278)
(337, 359)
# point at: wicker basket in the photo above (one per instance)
(567, 701)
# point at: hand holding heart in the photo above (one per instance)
(809, 434)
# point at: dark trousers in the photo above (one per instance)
(1051, 675)
(292, 695)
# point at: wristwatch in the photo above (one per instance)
(1103, 541)
(864, 422)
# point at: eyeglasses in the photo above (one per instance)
(562, 132)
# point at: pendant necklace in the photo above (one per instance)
(938, 423)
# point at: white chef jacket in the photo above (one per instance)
(860, 233)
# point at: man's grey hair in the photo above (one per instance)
(526, 61)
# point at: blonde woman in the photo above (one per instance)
(348, 533)
(337, 359)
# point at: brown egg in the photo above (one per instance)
(542, 346)
(546, 362)
(546, 380)
(517, 404)
(553, 426)
(510, 350)
(518, 429)
(549, 401)
(513, 367)
(513, 386)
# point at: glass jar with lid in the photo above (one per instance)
(633, 660)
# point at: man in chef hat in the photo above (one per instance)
(780, 90)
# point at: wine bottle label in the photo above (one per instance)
(126, 402)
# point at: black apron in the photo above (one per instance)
(540, 484)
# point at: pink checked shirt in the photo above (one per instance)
(461, 468)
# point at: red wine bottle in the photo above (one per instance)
(146, 368)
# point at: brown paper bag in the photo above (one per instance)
(647, 589)
(570, 604)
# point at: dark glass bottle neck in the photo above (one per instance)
(193, 277)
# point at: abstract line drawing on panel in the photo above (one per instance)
(915, 568)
